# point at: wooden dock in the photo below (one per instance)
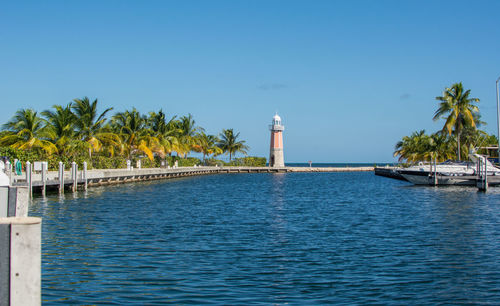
(51, 181)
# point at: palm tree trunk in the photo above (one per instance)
(458, 145)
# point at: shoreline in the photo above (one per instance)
(101, 177)
(329, 169)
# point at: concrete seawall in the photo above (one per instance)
(101, 177)
(329, 169)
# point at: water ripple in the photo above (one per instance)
(301, 238)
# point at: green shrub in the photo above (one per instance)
(106, 162)
(189, 162)
(248, 161)
(21, 155)
(212, 162)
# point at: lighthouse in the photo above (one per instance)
(276, 151)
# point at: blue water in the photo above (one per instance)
(296, 238)
(334, 165)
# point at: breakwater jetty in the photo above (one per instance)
(328, 169)
(74, 179)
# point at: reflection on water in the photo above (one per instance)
(297, 238)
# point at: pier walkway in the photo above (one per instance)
(99, 177)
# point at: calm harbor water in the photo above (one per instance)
(297, 238)
(333, 165)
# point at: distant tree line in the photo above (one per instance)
(79, 131)
(460, 134)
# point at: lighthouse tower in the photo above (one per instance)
(276, 151)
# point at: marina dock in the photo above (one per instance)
(467, 180)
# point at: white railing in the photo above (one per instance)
(276, 127)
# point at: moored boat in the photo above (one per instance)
(450, 172)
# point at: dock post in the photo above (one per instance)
(44, 177)
(14, 201)
(478, 170)
(485, 174)
(84, 174)
(8, 166)
(20, 261)
(29, 173)
(482, 178)
(61, 177)
(435, 172)
(74, 175)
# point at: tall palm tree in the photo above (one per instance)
(26, 132)
(441, 147)
(458, 109)
(229, 143)
(413, 148)
(208, 144)
(165, 131)
(90, 125)
(60, 126)
(187, 135)
(132, 128)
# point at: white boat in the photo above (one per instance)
(448, 172)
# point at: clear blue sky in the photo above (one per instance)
(349, 78)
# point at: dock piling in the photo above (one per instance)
(8, 167)
(482, 178)
(61, 177)
(20, 261)
(435, 172)
(14, 201)
(84, 175)
(74, 177)
(29, 176)
(44, 177)
(485, 181)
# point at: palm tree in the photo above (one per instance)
(26, 132)
(413, 148)
(208, 144)
(164, 131)
(132, 127)
(187, 135)
(442, 147)
(60, 126)
(90, 126)
(458, 109)
(229, 143)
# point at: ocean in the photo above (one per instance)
(286, 238)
